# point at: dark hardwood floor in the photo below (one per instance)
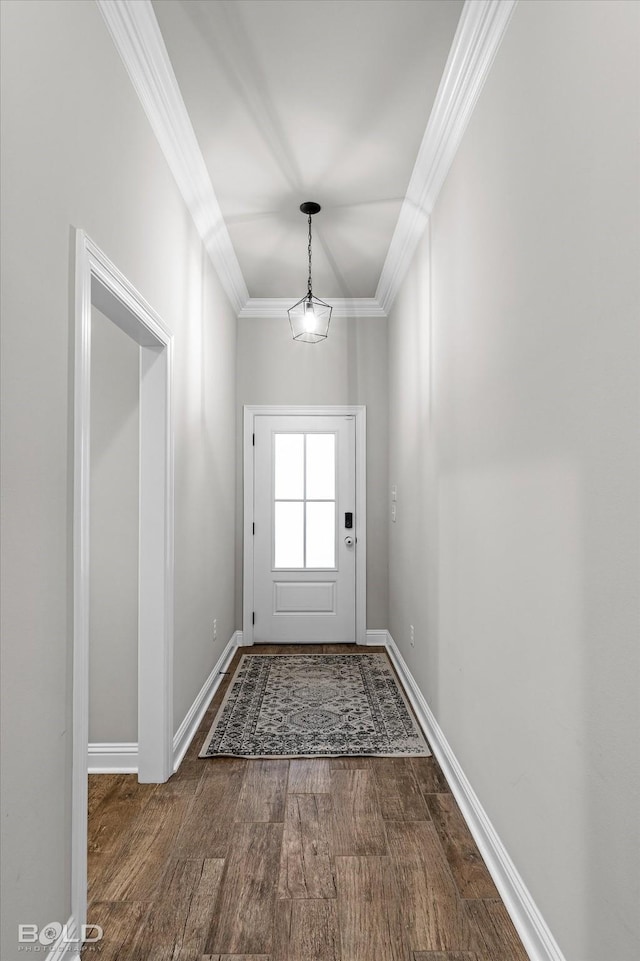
(345, 859)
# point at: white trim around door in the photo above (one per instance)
(359, 412)
(99, 282)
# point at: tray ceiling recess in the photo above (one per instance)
(257, 104)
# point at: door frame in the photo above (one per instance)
(98, 282)
(359, 412)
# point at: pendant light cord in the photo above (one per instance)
(309, 281)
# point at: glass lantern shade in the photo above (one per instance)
(309, 319)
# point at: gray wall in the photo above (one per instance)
(115, 472)
(77, 150)
(350, 367)
(515, 448)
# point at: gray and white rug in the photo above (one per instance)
(316, 705)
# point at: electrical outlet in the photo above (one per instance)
(215, 628)
(412, 636)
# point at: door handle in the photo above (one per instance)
(349, 540)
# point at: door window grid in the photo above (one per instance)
(304, 538)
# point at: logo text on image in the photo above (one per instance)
(54, 931)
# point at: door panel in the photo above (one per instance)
(304, 570)
(298, 597)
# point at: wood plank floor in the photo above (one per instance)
(345, 859)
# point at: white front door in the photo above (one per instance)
(304, 529)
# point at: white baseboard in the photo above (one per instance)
(377, 638)
(530, 925)
(185, 733)
(123, 758)
(65, 948)
(118, 758)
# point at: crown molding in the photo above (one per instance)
(264, 308)
(137, 37)
(480, 31)
(136, 34)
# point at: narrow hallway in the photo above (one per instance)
(327, 859)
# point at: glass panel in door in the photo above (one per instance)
(304, 509)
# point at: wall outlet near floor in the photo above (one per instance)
(412, 636)
(215, 628)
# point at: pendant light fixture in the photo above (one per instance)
(310, 317)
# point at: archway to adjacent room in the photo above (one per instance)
(101, 285)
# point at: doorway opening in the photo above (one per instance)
(100, 285)
(114, 548)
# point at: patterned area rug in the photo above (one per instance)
(317, 705)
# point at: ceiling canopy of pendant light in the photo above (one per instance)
(310, 316)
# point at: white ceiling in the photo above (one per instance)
(294, 100)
